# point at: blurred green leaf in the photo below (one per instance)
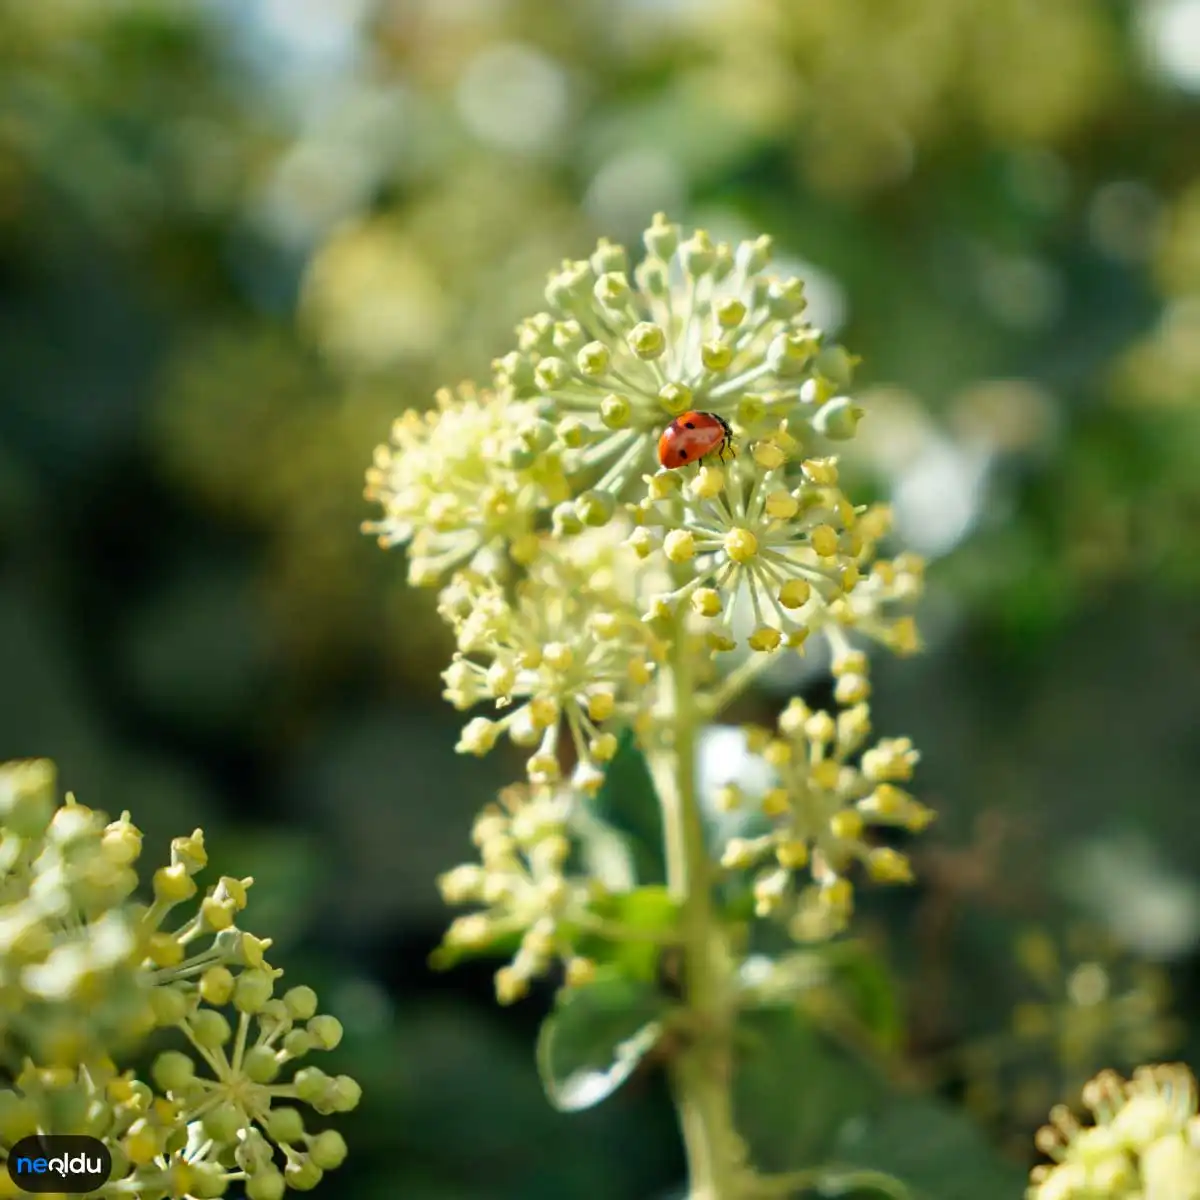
(801, 1102)
(593, 1041)
(861, 977)
(648, 910)
(628, 803)
(793, 1090)
(933, 1148)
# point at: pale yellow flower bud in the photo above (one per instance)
(730, 313)
(729, 797)
(738, 854)
(768, 455)
(679, 546)
(764, 639)
(706, 602)
(510, 986)
(660, 608)
(601, 705)
(822, 471)
(795, 593)
(775, 802)
(716, 356)
(781, 505)
(792, 854)
(837, 896)
(886, 865)
(791, 720)
(676, 398)
(640, 673)
(777, 753)
(819, 728)
(543, 768)
(824, 541)
(580, 972)
(826, 773)
(588, 778)
(846, 825)
(478, 736)
(708, 484)
(558, 656)
(543, 711)
(603, 747)
(501, 678)
(663, 485)
(647, 340)
(852, 689)
(741, 545)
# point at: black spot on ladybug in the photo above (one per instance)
(689, 424)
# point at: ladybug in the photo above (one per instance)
(693, 436)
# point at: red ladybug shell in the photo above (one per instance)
(691, 437)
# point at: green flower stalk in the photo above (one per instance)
(596, 597)
(89, 972)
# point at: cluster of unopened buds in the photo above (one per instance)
(1143, 1142)
(89, 973)
(525, 890)
(820, 810)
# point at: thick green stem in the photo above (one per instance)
(702, 1070)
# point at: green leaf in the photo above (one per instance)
(793, 1090)
(593, 1041)
(935, 1149)
(804, 1104)
(861, 978)
(628, 803)
(647, 910)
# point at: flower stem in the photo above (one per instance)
(701, 1072)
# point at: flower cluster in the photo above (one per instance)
(1144, 1143)
(577, 572)
(697, 325)
(821, 808)
(464, 482)
(1093, 1005)
(786, 556)
(1096, 1004)
(553, 654)
(89, 972)
(765, 551)
(523, 846)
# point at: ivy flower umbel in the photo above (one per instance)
(820, 812)
(1144, 1143)
(89, 972)
(554, 654)
(466, 478)
(1094, 1005)
(697, 325)
(523, 845)
(788, 549)
(69, 980)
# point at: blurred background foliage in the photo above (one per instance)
(238, 236)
